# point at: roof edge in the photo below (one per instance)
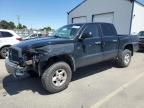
(77, 6)
(86, 0)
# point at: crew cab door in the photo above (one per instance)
(110, 41)
(88, 49)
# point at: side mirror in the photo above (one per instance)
(86, 35)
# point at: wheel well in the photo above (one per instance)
(129, 47)
(5, 46)
(65, 58)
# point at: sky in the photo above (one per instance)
(38, 13)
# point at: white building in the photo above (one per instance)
(126, 15)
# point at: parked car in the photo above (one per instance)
(7, 38)
(141, 40)
(73, 46)
(33, 36)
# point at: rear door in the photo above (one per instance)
(110, 41)
(89, 50)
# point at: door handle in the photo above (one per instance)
(115, 40)
(98, 43)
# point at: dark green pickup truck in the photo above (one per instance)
(73, 46)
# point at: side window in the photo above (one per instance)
(108, 30)
(141, 34)
(90, 31)
(6, 34)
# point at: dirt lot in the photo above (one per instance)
(102, 85)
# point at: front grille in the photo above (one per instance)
(14, 55)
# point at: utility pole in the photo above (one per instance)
(18, 19)
(0, 23)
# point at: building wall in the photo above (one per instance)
(138, 19)
(122, 10)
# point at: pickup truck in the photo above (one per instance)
(55, 58)
(141, 40)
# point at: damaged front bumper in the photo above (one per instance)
(14, 69)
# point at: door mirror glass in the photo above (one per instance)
(87, 35)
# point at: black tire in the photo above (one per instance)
(124, 58)
(3, 52)
(51, 73)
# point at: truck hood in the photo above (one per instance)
(41, 42)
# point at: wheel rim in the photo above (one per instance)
(4, 51)
(127, 58)
(59, 78)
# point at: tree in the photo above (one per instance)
(7, 25)
(24, 27)
(19, 26)
(11, 25)
(47, 29)
(4, 24)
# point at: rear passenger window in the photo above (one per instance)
(6, 34)
(91, 31)
(108, 30)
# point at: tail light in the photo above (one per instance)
(19, 39)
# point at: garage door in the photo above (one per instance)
(106, 17)
(79, 20)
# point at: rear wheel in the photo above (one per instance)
(124, 58)
(57, 77)
(3, 52)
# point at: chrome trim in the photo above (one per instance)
(14, 69)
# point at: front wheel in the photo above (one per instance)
(57, 77)
(3, 52)
(124, 58)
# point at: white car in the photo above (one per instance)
(7, 39)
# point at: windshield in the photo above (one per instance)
(68, 31)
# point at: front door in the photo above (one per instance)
(88, 50)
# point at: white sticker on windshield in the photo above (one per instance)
(76, 27)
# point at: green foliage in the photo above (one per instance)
(47, 29)
(11, 25)
(7, 25)
(19, 26)
(24, 27)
